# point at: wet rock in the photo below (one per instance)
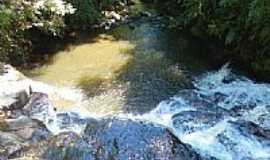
(17, 135)
(10, 144)
(21, 99)
(219, 97)
(199, 100)
(39, 107)
(260, 115)
(191, 121)
(13, 103)
(195, 99)
(242, 140)
(250, 128)
(124, 139)
(26, 128)
(68, 146)
(119, 140)
(239, 110)
(71, 121)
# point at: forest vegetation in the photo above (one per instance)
(240, 29)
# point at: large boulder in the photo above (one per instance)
(67, 146)
(119, 140)
(11, 96)
(125, 139)
(17, 135)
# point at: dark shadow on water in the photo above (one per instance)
(45, 47)
(163, 63)
(149, 78)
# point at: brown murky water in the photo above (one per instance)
(100, 57)
(127, 69)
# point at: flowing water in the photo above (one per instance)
(221, 117)
(131, 62)
(131, 76)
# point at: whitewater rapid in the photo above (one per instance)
(210, 116)
(224, 116)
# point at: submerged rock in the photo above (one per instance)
(250, 128)
(192, 121)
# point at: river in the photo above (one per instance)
(143, 71)
(142, 63)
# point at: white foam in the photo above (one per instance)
(222, 140)
(13, 81)
(238, 91)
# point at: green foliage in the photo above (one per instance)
(243, 26)
(89, 12)
(11, 37)
(5, 18)
(19, 17)
(22, 21)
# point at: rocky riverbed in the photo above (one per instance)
(224, 117)
(160, 105)
(32, 127)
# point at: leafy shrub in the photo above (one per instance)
(18, 17)
(90, 12)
